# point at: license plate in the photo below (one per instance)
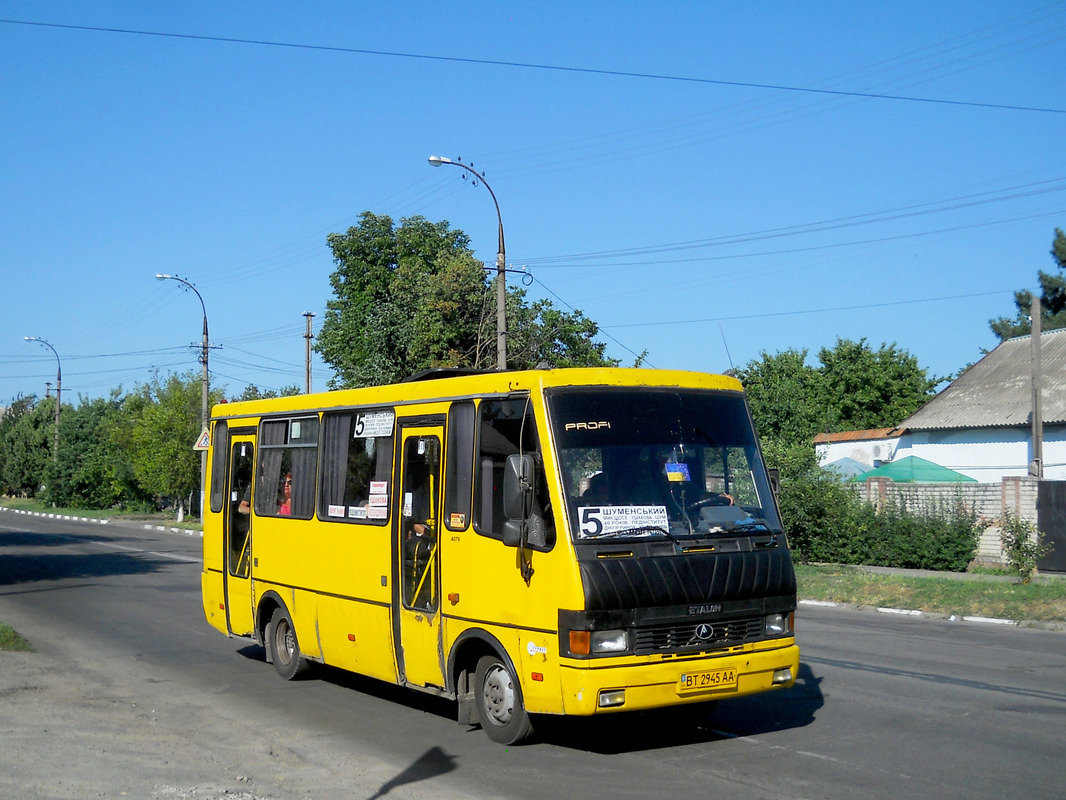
(698, 681)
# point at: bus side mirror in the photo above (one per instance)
(775, 481)
(518, 487)
(517, 497)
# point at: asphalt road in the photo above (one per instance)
(131, 694)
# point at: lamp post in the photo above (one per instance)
(59, 393)
(501, 262)
(204, 350)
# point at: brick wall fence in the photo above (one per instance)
(1016, 494)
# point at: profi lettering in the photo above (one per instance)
(587, 426)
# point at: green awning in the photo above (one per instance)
(915, 470)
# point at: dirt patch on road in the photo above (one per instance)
(67, 733)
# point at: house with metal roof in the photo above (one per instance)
(981, 424)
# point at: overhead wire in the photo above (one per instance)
(615, 73)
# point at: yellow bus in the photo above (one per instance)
(572, 541)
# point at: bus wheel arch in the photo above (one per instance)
(264, 614)
(280, 640)
(487, 688)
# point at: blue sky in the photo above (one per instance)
(707, 181)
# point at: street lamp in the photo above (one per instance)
(59, 392)
(204, 411)
(501, 261)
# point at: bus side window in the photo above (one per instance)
(356, 466)
(458, 486)
(288, 458)
(219, 448)
(502, 425)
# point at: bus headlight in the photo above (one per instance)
(614, 641)
(583, 643)
(778, 624)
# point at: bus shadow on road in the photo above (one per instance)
(17, 568)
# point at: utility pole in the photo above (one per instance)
(308, 336)
(1036, 466)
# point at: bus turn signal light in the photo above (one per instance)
(580, 642)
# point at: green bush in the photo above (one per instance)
(827, 522)
(1023, 545)
(943, 538)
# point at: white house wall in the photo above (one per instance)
(865, 451)
(987, 454)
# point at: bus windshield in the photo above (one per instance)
(647, 462)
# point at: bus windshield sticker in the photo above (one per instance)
(377, 512)
(373, 424)
(336, 511)
(379, 487)
(608, 520)
(357, 512)
(677, 472)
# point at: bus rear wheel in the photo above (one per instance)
(284, 647)
(498, 701)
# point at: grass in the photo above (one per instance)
(11, 640)
(979, 595)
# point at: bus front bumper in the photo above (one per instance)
(592, 689)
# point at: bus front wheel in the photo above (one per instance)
(498, 700)
(284, 648)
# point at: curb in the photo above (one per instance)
(912, 612)
(72, 518)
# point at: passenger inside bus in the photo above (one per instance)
(285, 498)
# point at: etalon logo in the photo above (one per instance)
(705, 608)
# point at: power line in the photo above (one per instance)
(1050, 185)
(534, 66)
(864, 306)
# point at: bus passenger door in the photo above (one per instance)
(238, 536)
(417, 532)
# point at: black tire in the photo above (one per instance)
(284, 648)
(498, 701)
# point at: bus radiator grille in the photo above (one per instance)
(687, 636)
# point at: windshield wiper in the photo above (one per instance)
(643, 530)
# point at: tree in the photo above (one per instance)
(542, 334)
(25, 444)
(92, 470)
(1052, 299)
(865, 388)
(853, 388)
(412, 297)
(253, 392)
(405, 298)
(786, 397)
(166, 424)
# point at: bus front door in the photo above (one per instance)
(238, 536)
(418, 650)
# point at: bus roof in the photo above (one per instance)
(444, 384)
